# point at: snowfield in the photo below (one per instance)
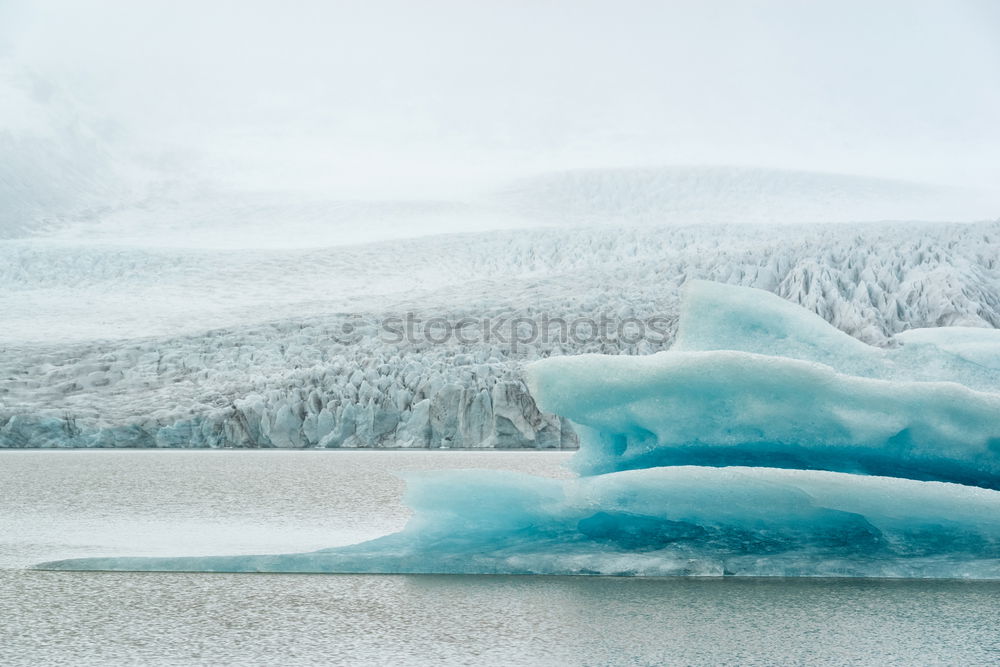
(124, 345)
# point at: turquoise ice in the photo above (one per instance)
(754, 380)
(660, 521)
(765, 442)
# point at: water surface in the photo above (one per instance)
(63, 504)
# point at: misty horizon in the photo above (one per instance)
(449, 101)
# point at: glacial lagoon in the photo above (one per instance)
(62, 504)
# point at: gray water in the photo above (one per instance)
(62, 504)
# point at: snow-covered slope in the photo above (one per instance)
(713, 194)
(68, 184)
(115, 346)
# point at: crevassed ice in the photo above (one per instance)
(764, 443)
(265, 365)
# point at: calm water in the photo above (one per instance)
(60, 504)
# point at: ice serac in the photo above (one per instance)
(754, 380)
(765, 443)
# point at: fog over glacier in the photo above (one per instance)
(179, 115)
(213, 217)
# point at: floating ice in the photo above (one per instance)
(737, 408)
(661, 521)
(719, 398)
(714, 316)
(692, 461)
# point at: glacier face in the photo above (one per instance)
(110, 346)
(682, 456)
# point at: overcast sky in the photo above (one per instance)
(424, 96)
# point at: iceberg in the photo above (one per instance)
(714, 316)
(737, 408)
(755, 380)
(764, 443)
(661, 521)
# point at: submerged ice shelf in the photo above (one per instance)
(765, 442)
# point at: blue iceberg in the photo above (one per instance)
(737, 408)
(764, 443)
(755, 380)
(660, 521)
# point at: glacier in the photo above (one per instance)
(143, 312)
(714, 462)
(119, 346)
